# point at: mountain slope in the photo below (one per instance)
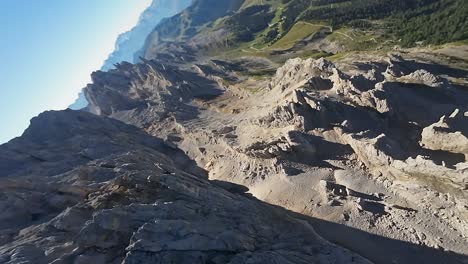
(128, 43)
(356, 143)
(187, 24)
(330, 27)
(230, 116)
(298, 132)
(91, 189)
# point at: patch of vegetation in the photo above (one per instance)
(353, 39)
(249, 21)
(261, 26)
(257, 74)
(441, 22)
(254, 90)
(227, 82)
(338, 56)
(342, 12)
(314, 54)
(299, 31)
(413, 21)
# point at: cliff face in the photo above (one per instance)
(129, 43)
(197, 157)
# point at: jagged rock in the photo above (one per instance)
(150, 87)
(156, 208)
(281, 115)
(180, 235)
(424, 169)
(395, 68)
(298, 72)
(425, 77)
(268, 150)
(375, 152)
(26, 253)
(226, 130)
(376, 99)
(449, 134)
(291, 144)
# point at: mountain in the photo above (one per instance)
(119, 189)
(128, 43)
(256, 131)
(188, 23)
(284, 29)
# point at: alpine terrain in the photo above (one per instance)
(256, 131)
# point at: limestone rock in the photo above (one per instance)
(425, 77)
(375, 152)
(449, 134)
(156, 208)
(423, 167)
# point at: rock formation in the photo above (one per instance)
(132, 41)
(91, 189)
(449, 134)
(313, 121)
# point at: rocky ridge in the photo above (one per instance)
(96, 190)
(316, 121)
(130, 42)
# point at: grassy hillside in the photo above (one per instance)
(413, 21)
(300, 30)
(262, 27)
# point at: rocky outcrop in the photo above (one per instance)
(151, 87)
(420, 167)
(426, 78)
(375, 152)
(356, 127)
(92, 189)
(298, 73)
(449, 134)
(132, 41)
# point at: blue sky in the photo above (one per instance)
(48, 49)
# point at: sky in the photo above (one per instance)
(48, 49)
